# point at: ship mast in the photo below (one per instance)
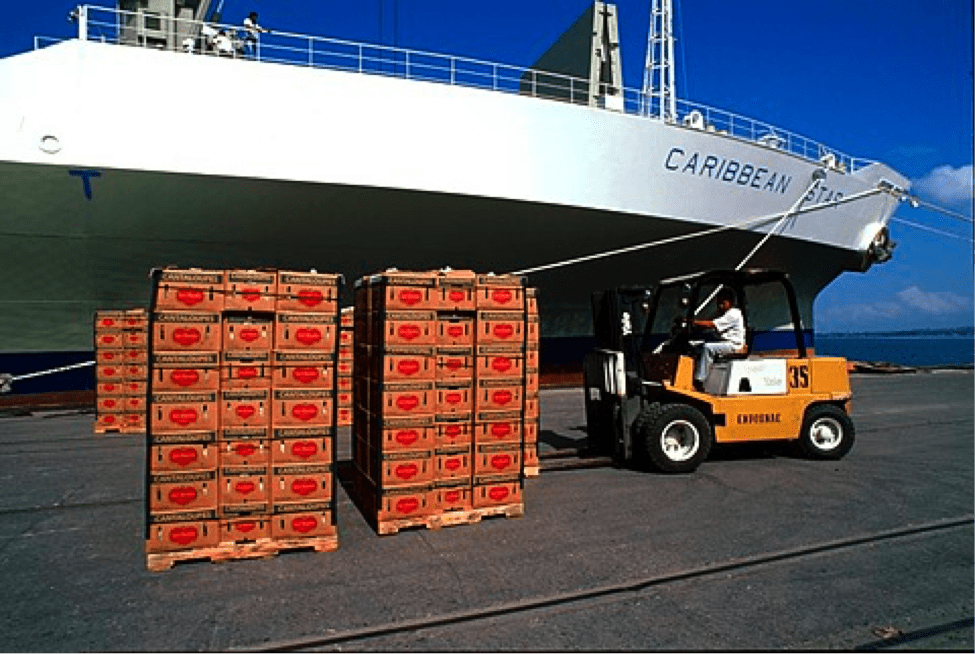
(659, 86)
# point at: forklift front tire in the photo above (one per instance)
(676, 438)
(827, 433)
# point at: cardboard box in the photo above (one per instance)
(190, 289)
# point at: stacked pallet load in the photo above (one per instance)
(121, 354)
(532, 389)
(345, 366)
(439, 398)
(241, 416)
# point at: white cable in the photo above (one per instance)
(932, 230)
(713, 230)
(52, 371)
(947, 212)
(791, 212)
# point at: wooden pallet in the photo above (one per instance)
(101, 431)
(533, 471)
(261, 549)
(450, 518)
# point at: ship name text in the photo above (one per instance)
(729, 171)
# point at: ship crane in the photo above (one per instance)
(659, 97)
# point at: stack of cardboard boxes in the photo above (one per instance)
(441, 401)
(242, 414)
(121, 355)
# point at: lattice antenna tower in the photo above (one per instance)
(659, 86)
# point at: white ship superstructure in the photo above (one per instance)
(136, 146)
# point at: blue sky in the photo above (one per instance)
(889, 80)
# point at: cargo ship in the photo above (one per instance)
(353, 158)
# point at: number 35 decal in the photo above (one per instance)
(799, 377)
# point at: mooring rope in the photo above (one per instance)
(931, 229)
(705, 232)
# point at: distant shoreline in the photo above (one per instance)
(958, 332)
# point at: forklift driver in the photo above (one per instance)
(730, 327)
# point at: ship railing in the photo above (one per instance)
(157, 30)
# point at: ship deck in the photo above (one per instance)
(757, 550)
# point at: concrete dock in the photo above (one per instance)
(757, 550)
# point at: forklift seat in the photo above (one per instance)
(741, 353)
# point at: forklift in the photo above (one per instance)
(643, 409)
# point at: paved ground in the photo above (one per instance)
(757, 550)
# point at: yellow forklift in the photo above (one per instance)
(642, 406)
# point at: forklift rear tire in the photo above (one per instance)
(676, 438)
(827, 433)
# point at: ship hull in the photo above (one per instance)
(508, 184)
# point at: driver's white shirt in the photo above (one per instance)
(731, 327)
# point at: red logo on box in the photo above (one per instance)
(451, 496)
(189, 296)
(304, 523)
(451, 464)
(186, 336)
(304, 486)
(308, 335)
(501, 397)
(456, 296)
(247, 372)
(245, 449)
(409, 332)
(107, 322)
(407, 437)
(249, 334)
(407, 505)
(183, 456)
(109, 403)
(452, 430)
(304, 449)
(244, 411)
(503, 330)
(500, 429)
(501, 364)
(498, 493)
(304, 411)
(310, 298)
(182, 495)
(183, 535)
(251, 294)
(183, 417)
(109, 419)
(184, 377)
(408, 367)
(501, 461)
(406, 470)
(454, 364)
(245, 526)
(455, 331)
(410, 296)
(244, 487)
(407, 402)
(305, 375)
(453, 398)
(501, 296)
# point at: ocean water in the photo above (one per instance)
(903, 350)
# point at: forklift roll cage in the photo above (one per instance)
(614, 313)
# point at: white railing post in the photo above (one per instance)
(494, 82)
(360, 58)
(82, 22)
(311, 52)
(407, 64)
(453, 65)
